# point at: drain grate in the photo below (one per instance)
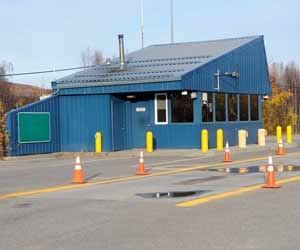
(173, 194)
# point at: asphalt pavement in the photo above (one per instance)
(116, 209)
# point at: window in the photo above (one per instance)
(207, 107)
(220, 107)
(244, 108)
(182, 108)
(161, 109)
(232, 107)
(254, 107)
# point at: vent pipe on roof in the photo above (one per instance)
(121, 51)
(171, 21)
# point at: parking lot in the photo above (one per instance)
(188, 200)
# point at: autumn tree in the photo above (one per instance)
(278, 109)
(91, 57)
(3, 135)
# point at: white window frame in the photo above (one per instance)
(155, 108)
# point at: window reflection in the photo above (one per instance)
(254, 107)
(232, 107)
(244, 108)
(207, 107)
(182, 108)
(220, 107)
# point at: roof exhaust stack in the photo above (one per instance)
(121, 51)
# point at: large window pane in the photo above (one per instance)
(244, 108)
(254, 107)
(220, 107)
(161, 108)
(182, 108)
(207, 107)
(232, 107)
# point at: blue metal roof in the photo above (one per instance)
(155, 63)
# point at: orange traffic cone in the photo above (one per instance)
(141, 167)
(78, 173)
(227, 154)
(280, 149)
(271, 182)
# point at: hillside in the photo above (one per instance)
(23, 90)
(14, 95)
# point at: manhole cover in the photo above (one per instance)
(172, 194)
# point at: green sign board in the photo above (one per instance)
(34, 127)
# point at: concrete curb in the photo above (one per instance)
(271, 146)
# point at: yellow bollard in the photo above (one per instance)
(220, 145)
(289, 136)
(280, 168)
(204, 140)
(278, 134)
(243, 170)
(149, 142)
(98, 142)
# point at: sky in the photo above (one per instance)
(39, 35)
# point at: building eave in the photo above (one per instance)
(114, 83)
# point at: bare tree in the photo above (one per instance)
(91, 57)
(5, 93)
(291, 78)
(5, 67)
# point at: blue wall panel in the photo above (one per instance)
(176, 136)
(249, 61)
(81, 116)
(189, 135)
(47, 105)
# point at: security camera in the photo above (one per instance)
(265, 97)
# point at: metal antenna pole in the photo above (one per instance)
(142, 23)
(218, 80)
(172, 21)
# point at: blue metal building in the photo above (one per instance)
(174, 90)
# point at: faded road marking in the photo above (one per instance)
(127, 178)
(213, 197)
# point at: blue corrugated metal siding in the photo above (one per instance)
(48, 105)
(249, 60)
(119, 115)
(81, 116)
(189, 135)
(176, 136)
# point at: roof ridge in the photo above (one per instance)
(206, 41)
